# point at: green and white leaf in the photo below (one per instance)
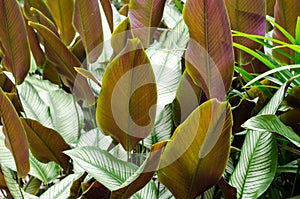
(171, 15)
(108, 170)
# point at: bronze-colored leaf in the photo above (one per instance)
(45, 143)
(78, 50)
(106, 5)
(125, 107)
(209, 55)
(229, 191)
(200, 146)
(87, 21)
(50, 73)
(145, 16)
(96, 190)
(39, 5)
(2, 180)
(248, 17)
(76, 186)
(62, 12)
(15, 136)
(65, 62)
(13, 39)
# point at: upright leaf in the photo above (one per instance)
(128, 77)
(247, 17)
(87, 20)
(209, 55)
(62, 12)
(15, 136)
(13, 39)
(145, 16)
(285, 14)
(107, 7)
(39, 5)
(199, 146)
(46, 144)
(66, 61)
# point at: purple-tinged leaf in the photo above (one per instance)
(106, 5)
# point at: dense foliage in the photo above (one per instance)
(149, 99)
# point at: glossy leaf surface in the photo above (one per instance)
(199, 146)
(13, 39)
(209, 55)
(128, 77)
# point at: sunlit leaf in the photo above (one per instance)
(13, 39)
(199, 146)
(142, 176)
(171, 15)
(107, 7)
(272, 123)
(209, 55)
(15, 136)
(39, 5)
(46, 144)
(87, 21)
(62, 12)
(247, 17)
(66, 62)
(128, 77)
(145, 16)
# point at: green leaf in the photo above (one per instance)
(15, 135)
(46, 144)
(200, 141)
(171, 15)
(142, 176)
(247, 17)
(66, 61)
(128, 77)
(13, 39)
(258, 159)
(272, 123)
(62, 12)
(108, 170)
(87, 21)
(145, 16)
(61, 189)
(209, 55)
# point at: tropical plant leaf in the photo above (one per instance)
(196, 145)
(128, 77)
(111, 172)
(60, 190)
(46, 144)
(145, 16)
(2, 180)
(108, 11)
(209, 55)
(13, 39)
(258, 159)
(247, 17)
(39, 5)
(15, 135)
(62, 12)
(33, 185)
(13, 186)
(272, 123)
(87, 21)
(142, 176)
(285, 14)
(171, 15)
(66, 62)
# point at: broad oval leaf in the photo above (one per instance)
(129, 78)
(199, 146)
(15, 135)
(247, 17)
(87, 21)
(144, 15)
(13, 39)
(209, 55)
(66, 62)
(62, 12)
(46, 144)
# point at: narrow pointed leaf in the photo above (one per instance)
(15, 135)
(2, 180)
(107, 7)
(144, 174)
(67, 61)
(13, 39)
(128, 77)
(144, 16)
(46, 144)
(209, 55)
(87, 21)
(285, 14)
(39, 5)
(62, 12)
(247, 17)
(200, 146)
